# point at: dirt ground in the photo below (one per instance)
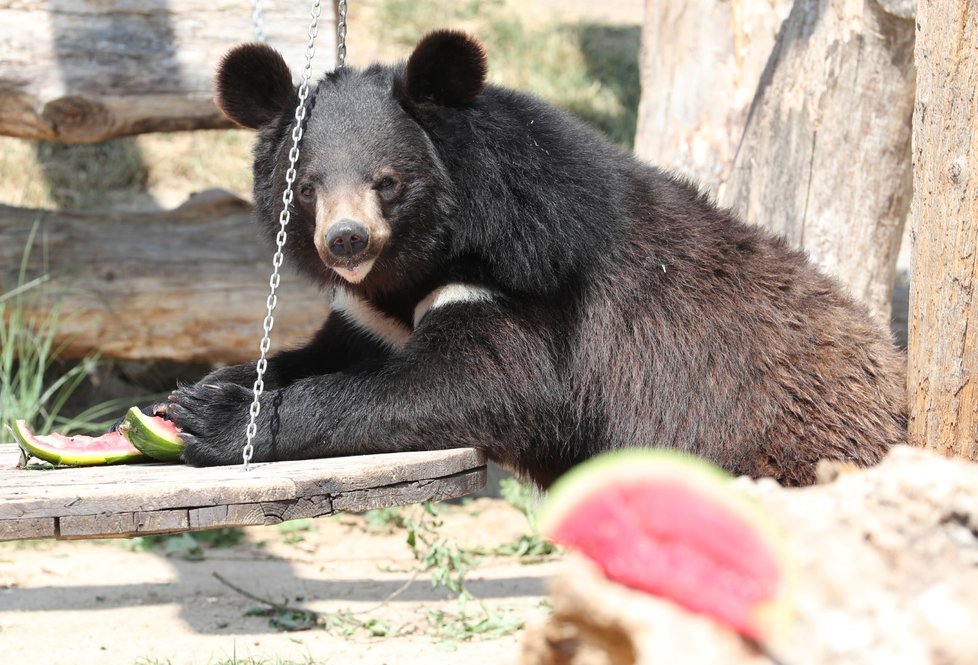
(88, 603)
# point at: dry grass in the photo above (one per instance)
(149, 171)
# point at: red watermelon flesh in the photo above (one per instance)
(78, 450)
(665, 541)
(672, 527)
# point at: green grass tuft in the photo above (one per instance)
(33, 386)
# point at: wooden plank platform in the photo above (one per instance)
(144, 499)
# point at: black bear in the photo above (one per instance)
(504, 278)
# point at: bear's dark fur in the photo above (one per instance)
(506, 279)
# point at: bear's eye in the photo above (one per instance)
(307, 193)
(387, 183)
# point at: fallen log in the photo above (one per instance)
(188, 285)
(82, 71)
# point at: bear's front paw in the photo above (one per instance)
(212, 418)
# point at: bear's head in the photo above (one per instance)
(370, 187)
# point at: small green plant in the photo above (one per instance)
(528, 547)
(466, 623)
(183, 546)
(293, 530)
(446, 561)
(219, 538)
(189, 546)
(385, 520)
(346, 623)
(449, 563)
(520, 496)
(287, 618)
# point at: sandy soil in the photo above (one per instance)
(88, 603)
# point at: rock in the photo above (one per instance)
(598, 622)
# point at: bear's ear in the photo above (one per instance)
(253, 85)
(448, 68)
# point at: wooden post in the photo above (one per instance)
(943, 343)
(825, 157)
(700, 63)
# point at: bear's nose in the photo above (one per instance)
(347, 238)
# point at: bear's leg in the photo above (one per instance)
(336, 346)
(492, 386)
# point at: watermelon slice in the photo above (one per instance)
(152, 435)
(110, 448)
(672, 526)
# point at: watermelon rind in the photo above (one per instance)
(36, 448)
(648, 465)
(145, 433)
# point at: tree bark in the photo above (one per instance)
(82, 71)
(699, 68)
(825, 157)
(943, 347)
(187, 285)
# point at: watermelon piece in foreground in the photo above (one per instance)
(672, 526)
(110, 448)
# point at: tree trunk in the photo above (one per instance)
(187, 285)
(700, 63)
(825, 157)
(82, 71)
(943, 348)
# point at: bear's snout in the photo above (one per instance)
(347, 238)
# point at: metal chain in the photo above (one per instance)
(283, 221)
(340, 34)
(258, 20)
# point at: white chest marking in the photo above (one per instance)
(371, 321)
(451, 293)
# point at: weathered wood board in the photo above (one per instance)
(186, 285)
(81, 71)
(143, 499)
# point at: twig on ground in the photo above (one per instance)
(288, 608)
(394, 594)
(258, 599)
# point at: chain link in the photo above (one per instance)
(280, 238)
(258, 20)
(340, 34)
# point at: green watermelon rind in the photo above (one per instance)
(25, 439)
(586, 480)
(143, 432)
